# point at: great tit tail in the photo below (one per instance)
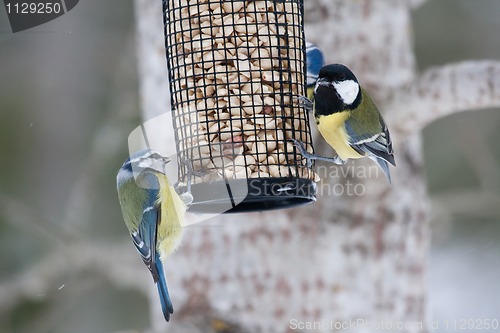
(384, 166)
(166, 303)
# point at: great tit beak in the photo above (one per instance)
(323, 82)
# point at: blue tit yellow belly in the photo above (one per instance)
(173, 209)
(333, 131)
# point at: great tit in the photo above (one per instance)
(314, 62)
(154, 214)
(348, 120)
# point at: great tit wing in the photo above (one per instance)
(372, 142)
(145, 237)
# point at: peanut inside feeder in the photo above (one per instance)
(236, 69)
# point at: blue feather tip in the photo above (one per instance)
(166, 303)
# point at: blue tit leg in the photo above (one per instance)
(191, 171)
(187, 196)
(301, 147)
(305, 103)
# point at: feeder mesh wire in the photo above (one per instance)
(236, 69)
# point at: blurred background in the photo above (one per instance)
(69, 99)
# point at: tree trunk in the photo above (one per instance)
(356, 259)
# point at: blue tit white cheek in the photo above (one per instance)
(150, 163)
(348, 90)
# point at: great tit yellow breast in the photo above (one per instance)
(172, 211)
(333, 131)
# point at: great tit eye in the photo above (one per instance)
(341, 77)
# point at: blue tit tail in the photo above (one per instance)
(166, 303)
(383, 165)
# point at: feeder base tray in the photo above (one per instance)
(250, 195)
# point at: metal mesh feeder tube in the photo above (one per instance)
(236, 69)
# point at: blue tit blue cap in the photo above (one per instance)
(314, 61)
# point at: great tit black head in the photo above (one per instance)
(337, 89)
(349, 120)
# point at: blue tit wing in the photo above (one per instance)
(144, 237)
(373, 141)
(145, 241)
(314, 62)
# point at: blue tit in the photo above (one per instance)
(349, 120)
(154, 214)
(314, 62)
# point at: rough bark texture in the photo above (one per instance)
(347, 257)
(442, 91)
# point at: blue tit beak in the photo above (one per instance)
(165, 160)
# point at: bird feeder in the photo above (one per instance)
(236, 69)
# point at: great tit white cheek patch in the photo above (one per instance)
(348, 90)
